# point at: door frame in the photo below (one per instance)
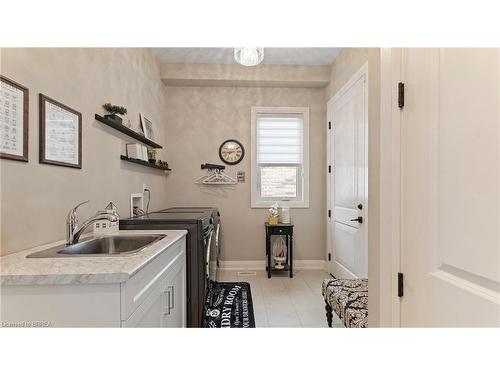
(330, 244)
(391, 118)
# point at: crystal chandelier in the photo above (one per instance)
(249, 56)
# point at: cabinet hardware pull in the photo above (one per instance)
(171, 297)
(167, 302)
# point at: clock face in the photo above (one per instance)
(231, 152)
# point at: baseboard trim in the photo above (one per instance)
(260, 265)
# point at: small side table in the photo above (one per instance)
(279, 230)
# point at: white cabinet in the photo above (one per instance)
(154, 296)
(165, 303)
(175, 315)
(150, 313)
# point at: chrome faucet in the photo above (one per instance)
(74, 231)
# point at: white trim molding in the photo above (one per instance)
(390, 187)
(260, 265)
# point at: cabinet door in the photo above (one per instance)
(175, 316)
(151, 313)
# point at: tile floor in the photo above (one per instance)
(282, 301)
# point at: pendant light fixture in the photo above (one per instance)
(249, 56)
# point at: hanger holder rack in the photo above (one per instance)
(213, 166)
(215, 176)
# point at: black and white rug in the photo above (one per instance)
(229, 305)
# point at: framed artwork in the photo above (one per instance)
(147, 128)
(60, 134)
(14, 117)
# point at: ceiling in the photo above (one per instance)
(288, 56)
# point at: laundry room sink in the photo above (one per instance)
(102, 246)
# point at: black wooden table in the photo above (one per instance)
(279, 230)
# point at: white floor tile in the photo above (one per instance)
(297, 285)
(311, 316)
(274, 284)
(260, 314)
(282, 317)
(307, 301)
(229, 276)
(278, 300)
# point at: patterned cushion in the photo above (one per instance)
(349, 299)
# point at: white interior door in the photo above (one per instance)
(348, 189)
(450, 187)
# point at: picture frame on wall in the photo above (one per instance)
(60, 134)
(147, 127)
(14, 120)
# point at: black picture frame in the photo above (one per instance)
(43, 100)
(25, 156)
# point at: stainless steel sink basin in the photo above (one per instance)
(102, 246)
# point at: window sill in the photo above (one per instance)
(280, 203)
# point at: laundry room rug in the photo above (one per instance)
(229, 305)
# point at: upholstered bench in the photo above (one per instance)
(348, 298)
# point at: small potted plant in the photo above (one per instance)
(114, 111)
(152, 155)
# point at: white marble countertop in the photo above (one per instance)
(16, 269)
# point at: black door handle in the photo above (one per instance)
(359, 219)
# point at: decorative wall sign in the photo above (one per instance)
(60, 134)
(147, 128)
(14, 115)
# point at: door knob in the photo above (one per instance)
(359, 219)
(360, 206)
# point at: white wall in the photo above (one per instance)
(35, 198)
(199, 120)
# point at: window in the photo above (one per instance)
(280, 156)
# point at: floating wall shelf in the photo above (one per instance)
(144, 163)
(131, 133)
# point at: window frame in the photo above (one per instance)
(256, 200)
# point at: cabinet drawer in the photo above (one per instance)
(136, 290)
(280, 230)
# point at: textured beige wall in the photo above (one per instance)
(35, 198)
(199, 120)
(347, 63)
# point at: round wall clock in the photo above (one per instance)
(231, 152)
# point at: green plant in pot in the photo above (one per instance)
(152, 155)
(114, 112)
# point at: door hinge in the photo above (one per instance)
(329, 169)
(329, 213)
(329, 257)
(329, 125)
(401, 95)
(400, 284)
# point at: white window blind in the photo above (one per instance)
(280, 140)
(280, 156)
